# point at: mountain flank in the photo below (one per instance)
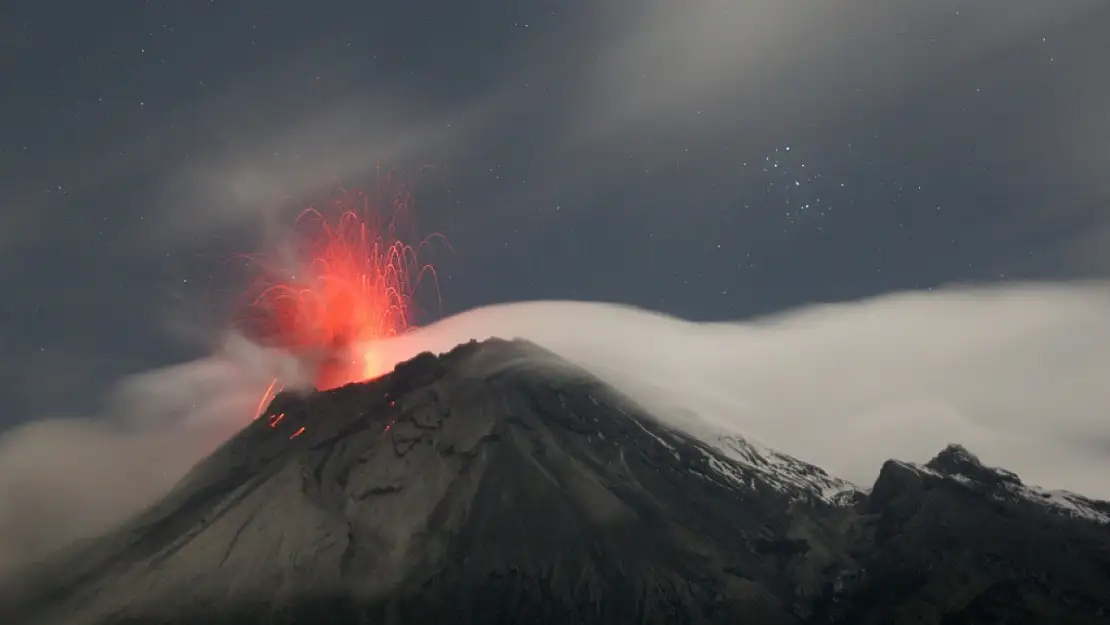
(498, 484)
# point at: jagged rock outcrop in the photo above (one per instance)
(955, 542)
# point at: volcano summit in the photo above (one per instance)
(497, 484)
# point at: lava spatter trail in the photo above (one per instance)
(351, 281)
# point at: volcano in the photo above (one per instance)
(497, 484)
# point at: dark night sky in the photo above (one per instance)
(714, 161)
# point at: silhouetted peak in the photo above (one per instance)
(958, 460)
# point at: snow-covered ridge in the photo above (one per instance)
(780, 471)
(743, 462)
(748, 465)
(956, 464)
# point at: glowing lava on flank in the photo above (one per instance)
(351, 281)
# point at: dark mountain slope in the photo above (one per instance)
(452, 492)
(957, 543)
(497, 484)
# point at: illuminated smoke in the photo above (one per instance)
(352, 281)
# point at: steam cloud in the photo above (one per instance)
(65, 479)
(1017, 373)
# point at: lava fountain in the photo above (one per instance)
(350, 280)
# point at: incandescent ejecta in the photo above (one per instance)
(352, 282)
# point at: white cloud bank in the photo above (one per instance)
(1020, 374)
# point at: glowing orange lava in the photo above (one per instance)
(351, 282)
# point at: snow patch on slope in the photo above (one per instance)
(1067, 502)
(742, 462)
(785, 473)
